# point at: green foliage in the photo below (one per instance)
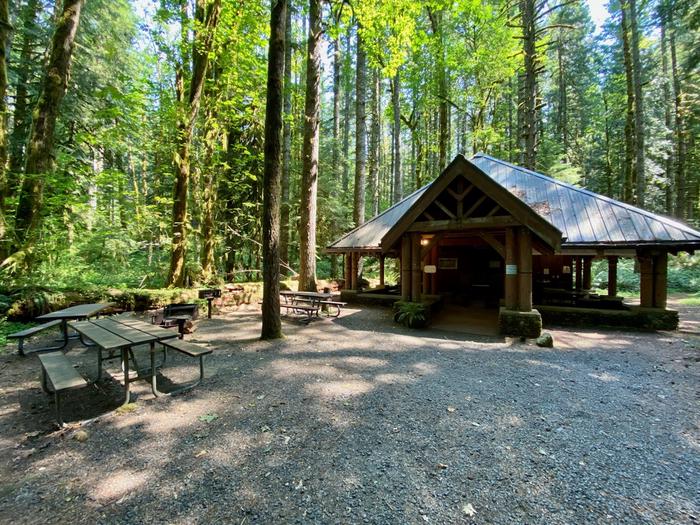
(10, 327)
(411, 315)
(683, 274)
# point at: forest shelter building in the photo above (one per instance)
(495, 235)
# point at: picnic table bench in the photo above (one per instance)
(191, 350)
(28, 332)
(58, 370)
(80, 311)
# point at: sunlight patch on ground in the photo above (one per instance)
(425, 368)
(537, 362)
(340, 389)
(287, 368)
(118, 485)
(390, 379)
(509, 421)
(605, 377)
(367, 362)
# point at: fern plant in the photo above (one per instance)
(411, 315)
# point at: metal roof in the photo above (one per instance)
(583, 217)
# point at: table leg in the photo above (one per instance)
(125, 367)
(154, 380)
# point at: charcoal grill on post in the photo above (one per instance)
(209, 294)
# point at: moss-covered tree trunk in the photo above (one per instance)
(5, 29)
(287, 140)
(272, 175)
(207, 17)
(39, 156)
(309, 171)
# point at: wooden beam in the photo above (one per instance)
(348, 270)
(381, 270)
(579, 273)
(646, 280)
(494, 243)
(431, 242)
(511, 276)
(415, 268)
(493, 210)
(612, 276)
(444, 208)
(587, 277)
(428, 216)
(353, 272)
(475, 205)
(406, 268)
(463, 224)
(459, 197)
(660, 280)
(524, 270)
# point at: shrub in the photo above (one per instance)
(411, 315)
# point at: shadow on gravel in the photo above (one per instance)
(343, 424)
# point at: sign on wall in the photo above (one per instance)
(511, 269)
(447, 263)
(430, 268)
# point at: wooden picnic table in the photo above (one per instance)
(77, 312)
(121, 335)
(309, 302)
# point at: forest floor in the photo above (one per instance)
(357, 420)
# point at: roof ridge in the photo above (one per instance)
(609, 200)
(380, 214)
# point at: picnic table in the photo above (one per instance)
(309, 303)
(121, 335)
(60, 317)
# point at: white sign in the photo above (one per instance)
(511, 269)
(430, 268)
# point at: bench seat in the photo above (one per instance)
(28, 332)
(189, 349)
(336, 304)
(58, 370)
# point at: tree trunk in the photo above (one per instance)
(628, 192)
(639, 133)
(374, 142)
(207, 16)
(309, 171)
(360, 134)
(21, 116)
(396, 108)
(5, 29)
(346, 116)
(668, 122)
(286, 140)
(39, 157)
(272, 175)
(680, 124)
(531, 63)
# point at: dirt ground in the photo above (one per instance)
(357, 420)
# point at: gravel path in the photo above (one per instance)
(359, 421)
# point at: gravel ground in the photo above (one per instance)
(359, 421)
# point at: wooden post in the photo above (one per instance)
(646, 280)
(415, 268)
(587, 277)
(579, 273)
(381, 270)
(612, 276)
(347, 263)
(433, 276)
(524, 270)
(406, 268)
(660, 280)
(353, 271)
(511, 275)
